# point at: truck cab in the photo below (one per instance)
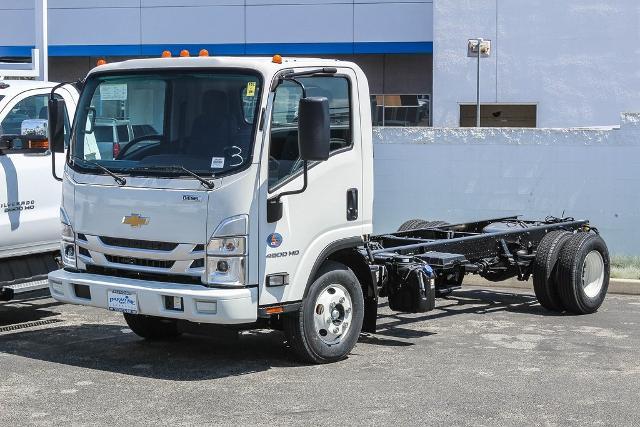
(213, 214)
(29, 196)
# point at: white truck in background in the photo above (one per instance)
(29, 196)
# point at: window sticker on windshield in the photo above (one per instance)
(251, 89)
(217, 162)
(113, 92)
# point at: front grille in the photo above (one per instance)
(84, 252)
(197, 263)
(116, 272)
(139, 261)
(138, 244)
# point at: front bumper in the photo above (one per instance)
(232, 306)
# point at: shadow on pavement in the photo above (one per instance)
(466, 301)
(113, 348)
(34, 307)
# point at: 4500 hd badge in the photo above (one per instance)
(23, 205)
(283, 254)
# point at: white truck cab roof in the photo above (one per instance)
(266, 65)
(12, 87)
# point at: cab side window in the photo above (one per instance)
(26, 124)
(284, 156)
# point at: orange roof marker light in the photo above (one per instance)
(203, 52)
(100, 62)
(166, 54)
(277, 59)
(184, 53)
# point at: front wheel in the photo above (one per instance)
(152, 328)
(327, 325)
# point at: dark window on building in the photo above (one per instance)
(401, 110)
(495, 115)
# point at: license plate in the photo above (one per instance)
(126, 302)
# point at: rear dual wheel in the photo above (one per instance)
(416, 224)
(571, 272)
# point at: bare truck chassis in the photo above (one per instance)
(423, 260)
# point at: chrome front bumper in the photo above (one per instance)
(200, 304)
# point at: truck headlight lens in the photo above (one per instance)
(226, 271)
(68, 251)
(226, 246)
(68, 246)
(226, 261)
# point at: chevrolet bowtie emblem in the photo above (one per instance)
(135, 220)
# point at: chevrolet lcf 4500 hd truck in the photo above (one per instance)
(246, 200)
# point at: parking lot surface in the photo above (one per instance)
(483, 357)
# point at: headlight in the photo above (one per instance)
(226, 261)
(68, 246)
(226, 271)
(227, 246)
(68, 254)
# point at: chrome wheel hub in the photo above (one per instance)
(332, 314)
(593, 274)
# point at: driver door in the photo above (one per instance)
(317, 217)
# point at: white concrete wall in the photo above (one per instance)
(578, 60)
(460, 174)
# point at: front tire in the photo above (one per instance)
(583, 273)
(327, 325)
(152, 328)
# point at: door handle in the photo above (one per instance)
(352, 204)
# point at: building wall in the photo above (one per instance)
(461, 174)
(578, 60)
(147, 27)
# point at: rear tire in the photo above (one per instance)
(545, 284)
(416, 224)
(583, 273)
(152, 328)
(328, 324)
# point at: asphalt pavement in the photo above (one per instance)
(483, 357)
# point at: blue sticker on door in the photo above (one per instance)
(274, 240)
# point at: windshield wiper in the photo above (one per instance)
(118, 179)
(203, 181)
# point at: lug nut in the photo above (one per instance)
(347, 311)
(345, 324)
(336, 330)
(341, 300)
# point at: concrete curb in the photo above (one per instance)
(616, 286)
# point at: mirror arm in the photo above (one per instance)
(274, 205)
(305, 168)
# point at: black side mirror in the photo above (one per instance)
(56, 125)
(314, 132)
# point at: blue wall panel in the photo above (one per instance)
(224, 27)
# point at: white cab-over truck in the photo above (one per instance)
(247, 202)
(29, 196)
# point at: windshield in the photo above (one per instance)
(144, 123)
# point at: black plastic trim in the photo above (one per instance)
(347, 243)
